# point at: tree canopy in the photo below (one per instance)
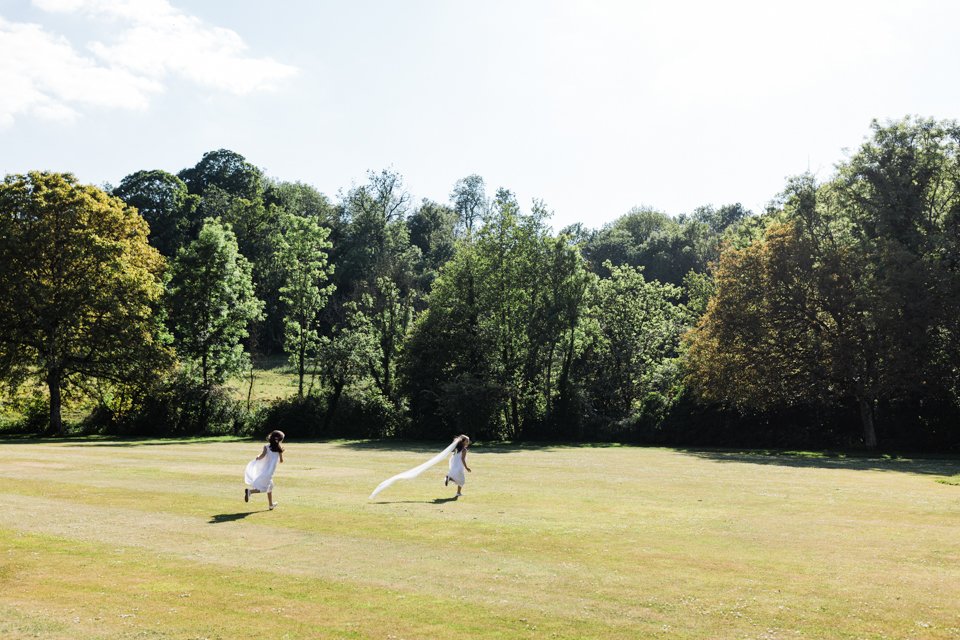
(832, 318)
(80, 284)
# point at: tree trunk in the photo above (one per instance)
(515, 416)
(387, 379)
(332, 404)
(548, 391)
(563, 384)
(866, 418)
(301, 367)
(53, 383)
(250, 387)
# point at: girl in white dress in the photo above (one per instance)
(458, 462)
(259, 471)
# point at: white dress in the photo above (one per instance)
(456, 473)
(259, 473)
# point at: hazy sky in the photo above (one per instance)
(593, 106)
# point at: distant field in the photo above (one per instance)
(272, 378)
(151, 539)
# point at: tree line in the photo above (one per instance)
(832, 318)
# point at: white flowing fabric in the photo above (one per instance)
(413, 473)
(259, 473)
(455, 473)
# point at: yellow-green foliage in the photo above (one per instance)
(152, 539)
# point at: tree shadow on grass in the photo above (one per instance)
(114, 441)
(232, 517)
(920, 465)
(418, 446)
(141, 442)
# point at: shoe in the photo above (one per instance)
(274, 506)
(246, 495)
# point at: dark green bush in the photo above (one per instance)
(360, 413)
(179, 406)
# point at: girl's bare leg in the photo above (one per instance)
(270, 499)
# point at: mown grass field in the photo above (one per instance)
(151, 539)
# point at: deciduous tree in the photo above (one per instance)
(302, 256)
(211, 303)
(164, 202)
(79, 286)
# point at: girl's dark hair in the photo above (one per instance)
(461, 442)
(275, 438)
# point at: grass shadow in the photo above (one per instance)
(232, 517)
(434, 501)
(856, 461)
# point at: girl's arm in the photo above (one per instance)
(281, 456)
(463, 456)
(262, 453)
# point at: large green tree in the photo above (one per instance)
(667, 248)
(227, 170)
(211, 303)
(377, 270)
(635, 326)
(258, 228)
(432, 229)
(850, 297)
(375, 242)
(234, 190)
(79, 286)
(301, 200)
(901, 193)
(493, 349)
(302, 257)
(165, 203)
(345, 356)
(469, 200)
(793, 317)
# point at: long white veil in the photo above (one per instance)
(413, 473)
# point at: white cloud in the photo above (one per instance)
(43, 75)
(162, 40)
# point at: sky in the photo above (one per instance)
(593, 107)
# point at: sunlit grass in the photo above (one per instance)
(107, 539)
(273, 378)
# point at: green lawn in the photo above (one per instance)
(273, 378)
(151, 539)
